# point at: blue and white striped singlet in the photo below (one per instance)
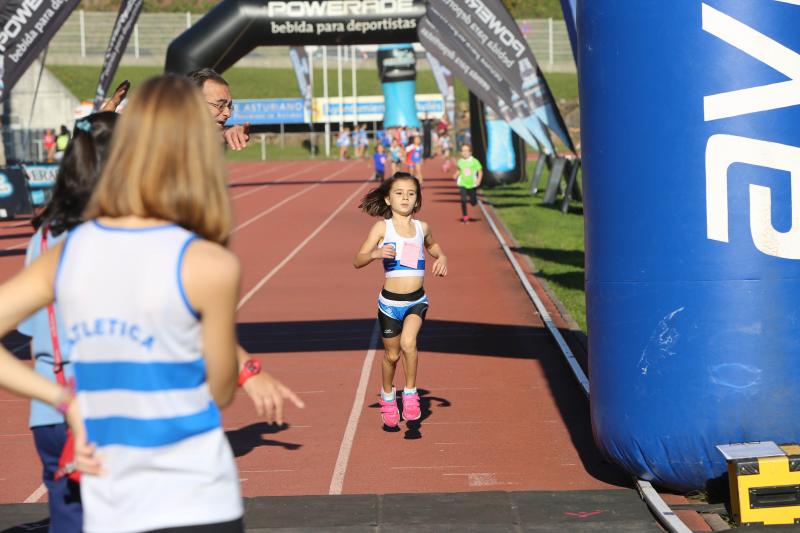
(136, 346)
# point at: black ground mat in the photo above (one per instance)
(484, 512)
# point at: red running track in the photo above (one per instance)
(500, 409)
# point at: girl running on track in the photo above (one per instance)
(397, 156)
(414, 158)
(343, 142)
(400, 241)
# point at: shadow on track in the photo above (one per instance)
(244, 440)
(451, 337)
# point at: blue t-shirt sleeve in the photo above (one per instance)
(26, 327)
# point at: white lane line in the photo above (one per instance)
(17, 246)
(36, 495)
(261, 172)
(280, 180)
(299, 247)
(432, 467)
(337, 481)
(287, 199)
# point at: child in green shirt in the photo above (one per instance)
(468, 178)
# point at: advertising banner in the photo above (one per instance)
(292, 110)
(499, 46)
(570, 9)
(444, 81)
(26, 26)
(123, 28)
(302, 71)
(234, 27)
(40, 179)
(14, 199)
(503, 30)
(456, 53)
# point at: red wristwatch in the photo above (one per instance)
(251, 368)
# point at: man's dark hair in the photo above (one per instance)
(202, 75)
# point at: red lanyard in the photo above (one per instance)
(58, 365)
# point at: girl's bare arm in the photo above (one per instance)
(369, 250)
(211, 276)
(440, 265)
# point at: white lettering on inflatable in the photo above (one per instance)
(340, 8)
(762, 48)
(724, 150)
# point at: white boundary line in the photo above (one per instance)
(583, 381)
(286, 200)
(36, 495)
(337, 480)
(665, 515)
(262, 172)
(655, 503)
(299, 247)
(280, 180)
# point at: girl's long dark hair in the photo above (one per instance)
(374, 203)
(78, 174)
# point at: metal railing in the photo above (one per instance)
(84, 37)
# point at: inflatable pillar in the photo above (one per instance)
(691, 157)
(495, 145)
(397, 67)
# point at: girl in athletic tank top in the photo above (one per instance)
(400, 241)
(147, 292)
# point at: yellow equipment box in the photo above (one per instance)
(766, 490)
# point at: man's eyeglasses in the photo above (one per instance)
(219, 106)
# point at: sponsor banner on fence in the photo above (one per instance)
(14, 199)
(26, 26)
(40, 180)
(269, 111)
(41, 176)
(293, 110)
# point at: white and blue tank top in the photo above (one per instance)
(136, 347)
(392, 267)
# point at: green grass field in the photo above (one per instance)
(554, 241)
(250, 82)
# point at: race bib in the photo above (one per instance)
(410, 255)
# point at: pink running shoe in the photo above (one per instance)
(389, 413)
(411, 409)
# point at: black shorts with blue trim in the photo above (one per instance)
(393, 308)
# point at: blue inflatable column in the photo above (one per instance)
(397, 67)
(495, 145)
(691, 158)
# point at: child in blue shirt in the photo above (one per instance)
(379, 158)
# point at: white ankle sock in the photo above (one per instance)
(390, 396)
(410, 391)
